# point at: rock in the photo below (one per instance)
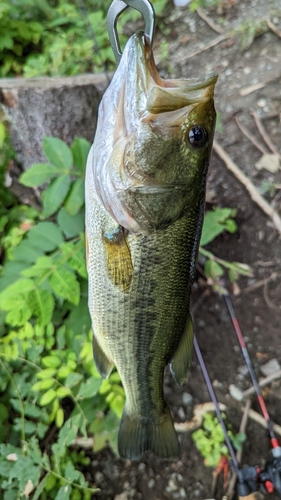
(62, 107)
(270, 367)
(122, 496)
(151, 483)
(235, 392)
(99, 477)
(187, 399)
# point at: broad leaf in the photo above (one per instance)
(48, 397)
(65, 284)
(215, 222)
(80, 150)
(58, 153)
(42, 304)
(72, 225)
(76, 257)
(89, 388)
(46, 235)
(76, 197)
(54, 195)
(26, 252)
(38, 174)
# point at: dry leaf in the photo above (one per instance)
(268, 162)
(28, 488)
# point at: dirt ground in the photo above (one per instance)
(256, 243)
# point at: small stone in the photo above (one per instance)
(243, 370)
(141, 467)
(181, 413)
(150, 483)
(235, 392)
(262, 103)
(270, 367)
(187, 399)
(99, 477)
(172, 486)
(247, 70)
(228, 72)
(182, 493)
(122, 496)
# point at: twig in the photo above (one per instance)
(258, 86)
(250, 136)
(83, 443)
(260, 283)
(255, 195)
(262, 382)
(207, 46)
(260, 420)
(265, 135)
(243, 424)
(273, 28)
(267, 298)
(203, 14)
(197, 420)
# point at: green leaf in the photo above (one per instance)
(73, 379)
(53, 196)
(65, 284)
(64, 493)
(38, 174)
(52, 361)
(42, 304)
(89, 388)
(58, 153)
(48, 372)
(59, 418)
(215, 222)
(26, 252)
(48, 397)
(76, 197)
(213, 269)
(46, 235)
(22, 285)
(76, 257)
(80, 150)
(71, 225)
(3, 135)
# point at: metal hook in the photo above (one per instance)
(116, 9)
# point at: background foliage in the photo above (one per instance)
(50, 391)
(57, 37)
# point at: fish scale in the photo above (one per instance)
(143, 229)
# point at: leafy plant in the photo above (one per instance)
(217, 221)
(210, 440)
(58, 38)
(47, 375)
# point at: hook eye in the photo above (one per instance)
(116, 9)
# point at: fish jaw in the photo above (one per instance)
(141, 156)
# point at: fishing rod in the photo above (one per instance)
(250, 478)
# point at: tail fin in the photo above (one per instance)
(140, 434)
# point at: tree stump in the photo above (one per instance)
(60, 107)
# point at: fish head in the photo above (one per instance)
(152, 165)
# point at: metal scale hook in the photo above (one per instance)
(116, 9)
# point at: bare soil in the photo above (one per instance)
(256, 243)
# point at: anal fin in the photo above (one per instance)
(182, 357)
(103, 364)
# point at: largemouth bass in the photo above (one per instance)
(145, 191)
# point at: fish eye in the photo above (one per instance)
(197, 136)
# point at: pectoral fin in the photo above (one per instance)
(182, 358)
(118, 259)
(103, 364)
